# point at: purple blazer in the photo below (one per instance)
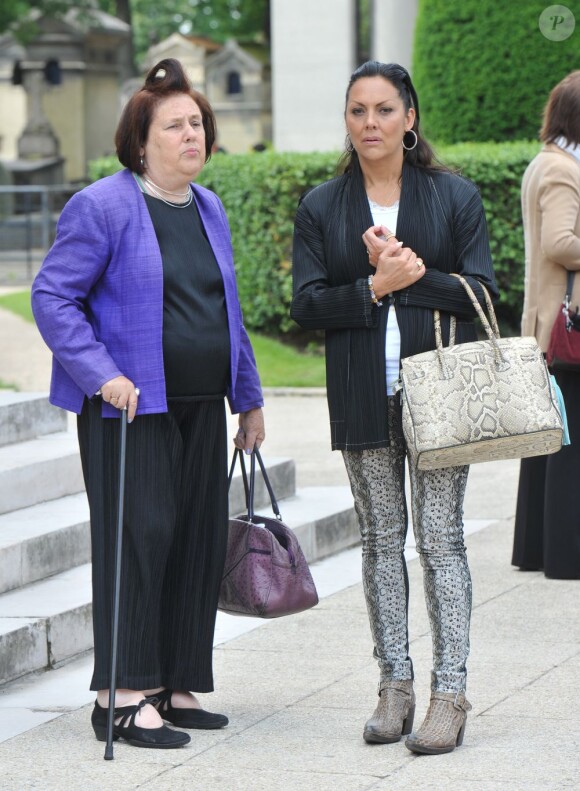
(98, 298)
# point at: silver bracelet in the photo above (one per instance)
(372, 292)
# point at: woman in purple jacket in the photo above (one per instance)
(137, 300)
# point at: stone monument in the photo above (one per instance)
(70, 72)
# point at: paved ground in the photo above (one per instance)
(299, 689)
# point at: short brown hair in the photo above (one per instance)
(163, 80)
(562, 111)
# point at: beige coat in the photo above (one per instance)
(551, 214)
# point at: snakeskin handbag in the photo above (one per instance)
(480, 401)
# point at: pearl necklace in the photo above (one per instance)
(150, 181)
(156, 193)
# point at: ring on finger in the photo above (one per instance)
(389, 236)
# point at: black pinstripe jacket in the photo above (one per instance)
(441, 218)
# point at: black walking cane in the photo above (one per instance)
(117, 589)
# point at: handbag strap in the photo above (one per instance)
(569, 288)
(249, 486)
(490, 326)
(244, 475)
(438, 331)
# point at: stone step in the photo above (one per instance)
(282, 475)
(53, 536)
(40, 469)
(48, 622)
(323, 518)
(43, 540)
(24, 416)
(45, 623)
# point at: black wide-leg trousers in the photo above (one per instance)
(547, 523)
(174, 542)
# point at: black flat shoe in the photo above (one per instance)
(157, 738)
(186, 718)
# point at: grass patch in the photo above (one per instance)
(18, 302)
(279, 364)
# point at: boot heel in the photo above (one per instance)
(444, 725)
(394, 714)
(408, 722)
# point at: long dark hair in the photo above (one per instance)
(421, 155)
(165, 79)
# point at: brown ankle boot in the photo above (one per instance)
(393, 716)
(444, 725)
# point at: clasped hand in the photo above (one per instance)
(396, 266)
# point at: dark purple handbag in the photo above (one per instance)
(265, 574)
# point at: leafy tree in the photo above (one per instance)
(153, 20)
(218, 19)
(14, 13)
(483, 70)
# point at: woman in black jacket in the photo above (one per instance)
(374, 250)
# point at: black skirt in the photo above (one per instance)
(547, 525)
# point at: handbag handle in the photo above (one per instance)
(249, 487)
(569, 288)
(490, 326)
(567, 300)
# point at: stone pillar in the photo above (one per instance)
(393, 30)
(313, 56)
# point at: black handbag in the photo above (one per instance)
(265, 573)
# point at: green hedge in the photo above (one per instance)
(483, 69)
(260, 193)
(497, 169)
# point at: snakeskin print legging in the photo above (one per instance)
(377, 479)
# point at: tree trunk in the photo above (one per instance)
(127, 54)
